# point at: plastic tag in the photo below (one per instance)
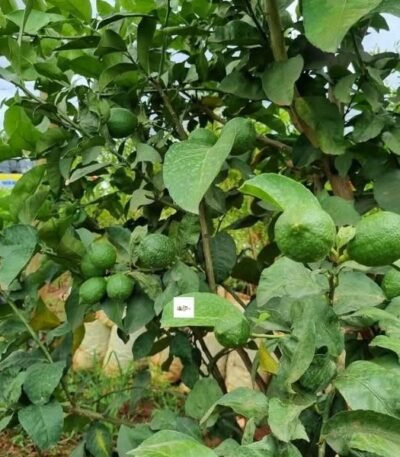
(184, 307)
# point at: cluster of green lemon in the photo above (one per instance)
(156, 251)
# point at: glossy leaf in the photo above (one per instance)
(208, 310)
(279, 192)
(190, 168)
(326, 23)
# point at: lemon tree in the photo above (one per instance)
(220, 179)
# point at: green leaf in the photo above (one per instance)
(87, 66)
(283, 418)
(241, 85)
(84, 171)
(41, 381)
(385, 191)
(326, 23)
(99, 440)
(363, 431)
(369, 386)
(139, 312)
(43, 423)
(391, 139)
(17, 246)
(342, 211)
(168, 443)
(279, 192)
(201, 398)
(367, 126)
(190, 168)
(4, 421)
(146, 153)
(298, 351)
(110, 42)
(130, 438)
(355, 291)
(80, 8)
(267, 447)
(223, 252)
(287, 278)
(279, 78)
(387, 342)
(11, 388)
(389, 6)
(325, 121)
(244, 401)
(342, 90)
(20, 130)
(145, 33)
(238, 32)
(36, 19)
(208, 310)
(87, 42)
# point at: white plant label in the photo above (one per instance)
(184, 307)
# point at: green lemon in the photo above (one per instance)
(305, 236)
(232, 333)
(391, 283)
(89, 269)
(92, 290)
(102, 254)
(203, 136)
(244, 132)
(120, 287)
(377, 240)
(156, 251)
(121, 122)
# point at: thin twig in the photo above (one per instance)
(212, 367)
(97, 416)
(206, 242)
(35, 337)
(266, 141)
(255, 20)
(164, 45)
(275, 28)
(235, 296)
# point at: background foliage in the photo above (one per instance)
(326, 335)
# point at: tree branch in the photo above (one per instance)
(97, 416)
(275, 29)
(205, 238)
(249, 366)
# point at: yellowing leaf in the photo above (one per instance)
(268, 363)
